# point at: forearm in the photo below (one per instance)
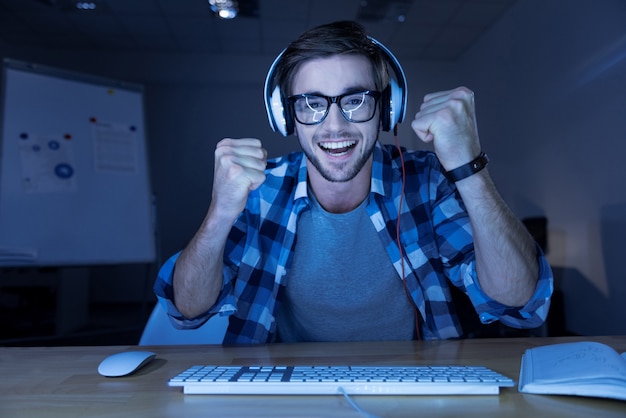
(506, 257)
(198, 275)
(239, 168)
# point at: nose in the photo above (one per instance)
(334, 117)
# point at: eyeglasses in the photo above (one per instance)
(357, 107)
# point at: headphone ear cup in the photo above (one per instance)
(392, 105)
(385, 110)
(277, 113)
(288, 117)
(396, 103)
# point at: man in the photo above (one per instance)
(306, 247)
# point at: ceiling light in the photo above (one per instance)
(224, 9)
(86, 5)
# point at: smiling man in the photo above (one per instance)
(351, 239)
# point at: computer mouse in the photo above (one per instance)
(124, 363)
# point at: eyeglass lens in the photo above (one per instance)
(310, 109)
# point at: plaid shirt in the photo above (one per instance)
(435, 234)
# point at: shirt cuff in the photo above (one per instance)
(531, 315)
(164, 291)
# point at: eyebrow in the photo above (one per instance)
(353, 89)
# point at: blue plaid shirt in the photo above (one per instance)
(436, 240)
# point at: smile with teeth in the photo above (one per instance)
(337, 148)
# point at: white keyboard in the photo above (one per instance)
(351, 380)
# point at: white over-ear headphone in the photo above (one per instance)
(393, 101)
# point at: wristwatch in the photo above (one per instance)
(468, 169)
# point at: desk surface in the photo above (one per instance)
(63, 382)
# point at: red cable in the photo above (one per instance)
(406, 291)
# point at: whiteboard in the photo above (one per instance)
(74, 177)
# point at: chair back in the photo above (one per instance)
(159, 330)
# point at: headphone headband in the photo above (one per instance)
(393, 101)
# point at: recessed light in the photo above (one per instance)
(224, 9)
(86, 5)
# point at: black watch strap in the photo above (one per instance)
(468, 169)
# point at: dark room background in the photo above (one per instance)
(550, 84)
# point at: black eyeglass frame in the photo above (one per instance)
(336, 99)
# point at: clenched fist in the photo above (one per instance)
(448, 120)
(239, 169)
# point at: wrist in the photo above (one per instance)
(467, 170)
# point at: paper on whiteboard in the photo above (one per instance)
(47, 164)
(115, 147)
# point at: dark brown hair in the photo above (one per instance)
(345, 37)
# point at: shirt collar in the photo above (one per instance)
(301, 187)
(380, 172)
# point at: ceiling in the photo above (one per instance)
(416, 29)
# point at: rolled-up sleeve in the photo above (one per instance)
(164, 291)
(531, 315)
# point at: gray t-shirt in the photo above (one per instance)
(342, 285)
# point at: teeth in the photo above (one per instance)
(337, 145)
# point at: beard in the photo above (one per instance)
(339, 172)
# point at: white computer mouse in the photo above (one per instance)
(124, 363)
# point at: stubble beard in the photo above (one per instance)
(343, 172)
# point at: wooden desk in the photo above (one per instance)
(63, 382)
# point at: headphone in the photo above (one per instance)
(393, 100)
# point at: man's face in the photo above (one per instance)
(337, 149)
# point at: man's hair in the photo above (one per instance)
(338, 38)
